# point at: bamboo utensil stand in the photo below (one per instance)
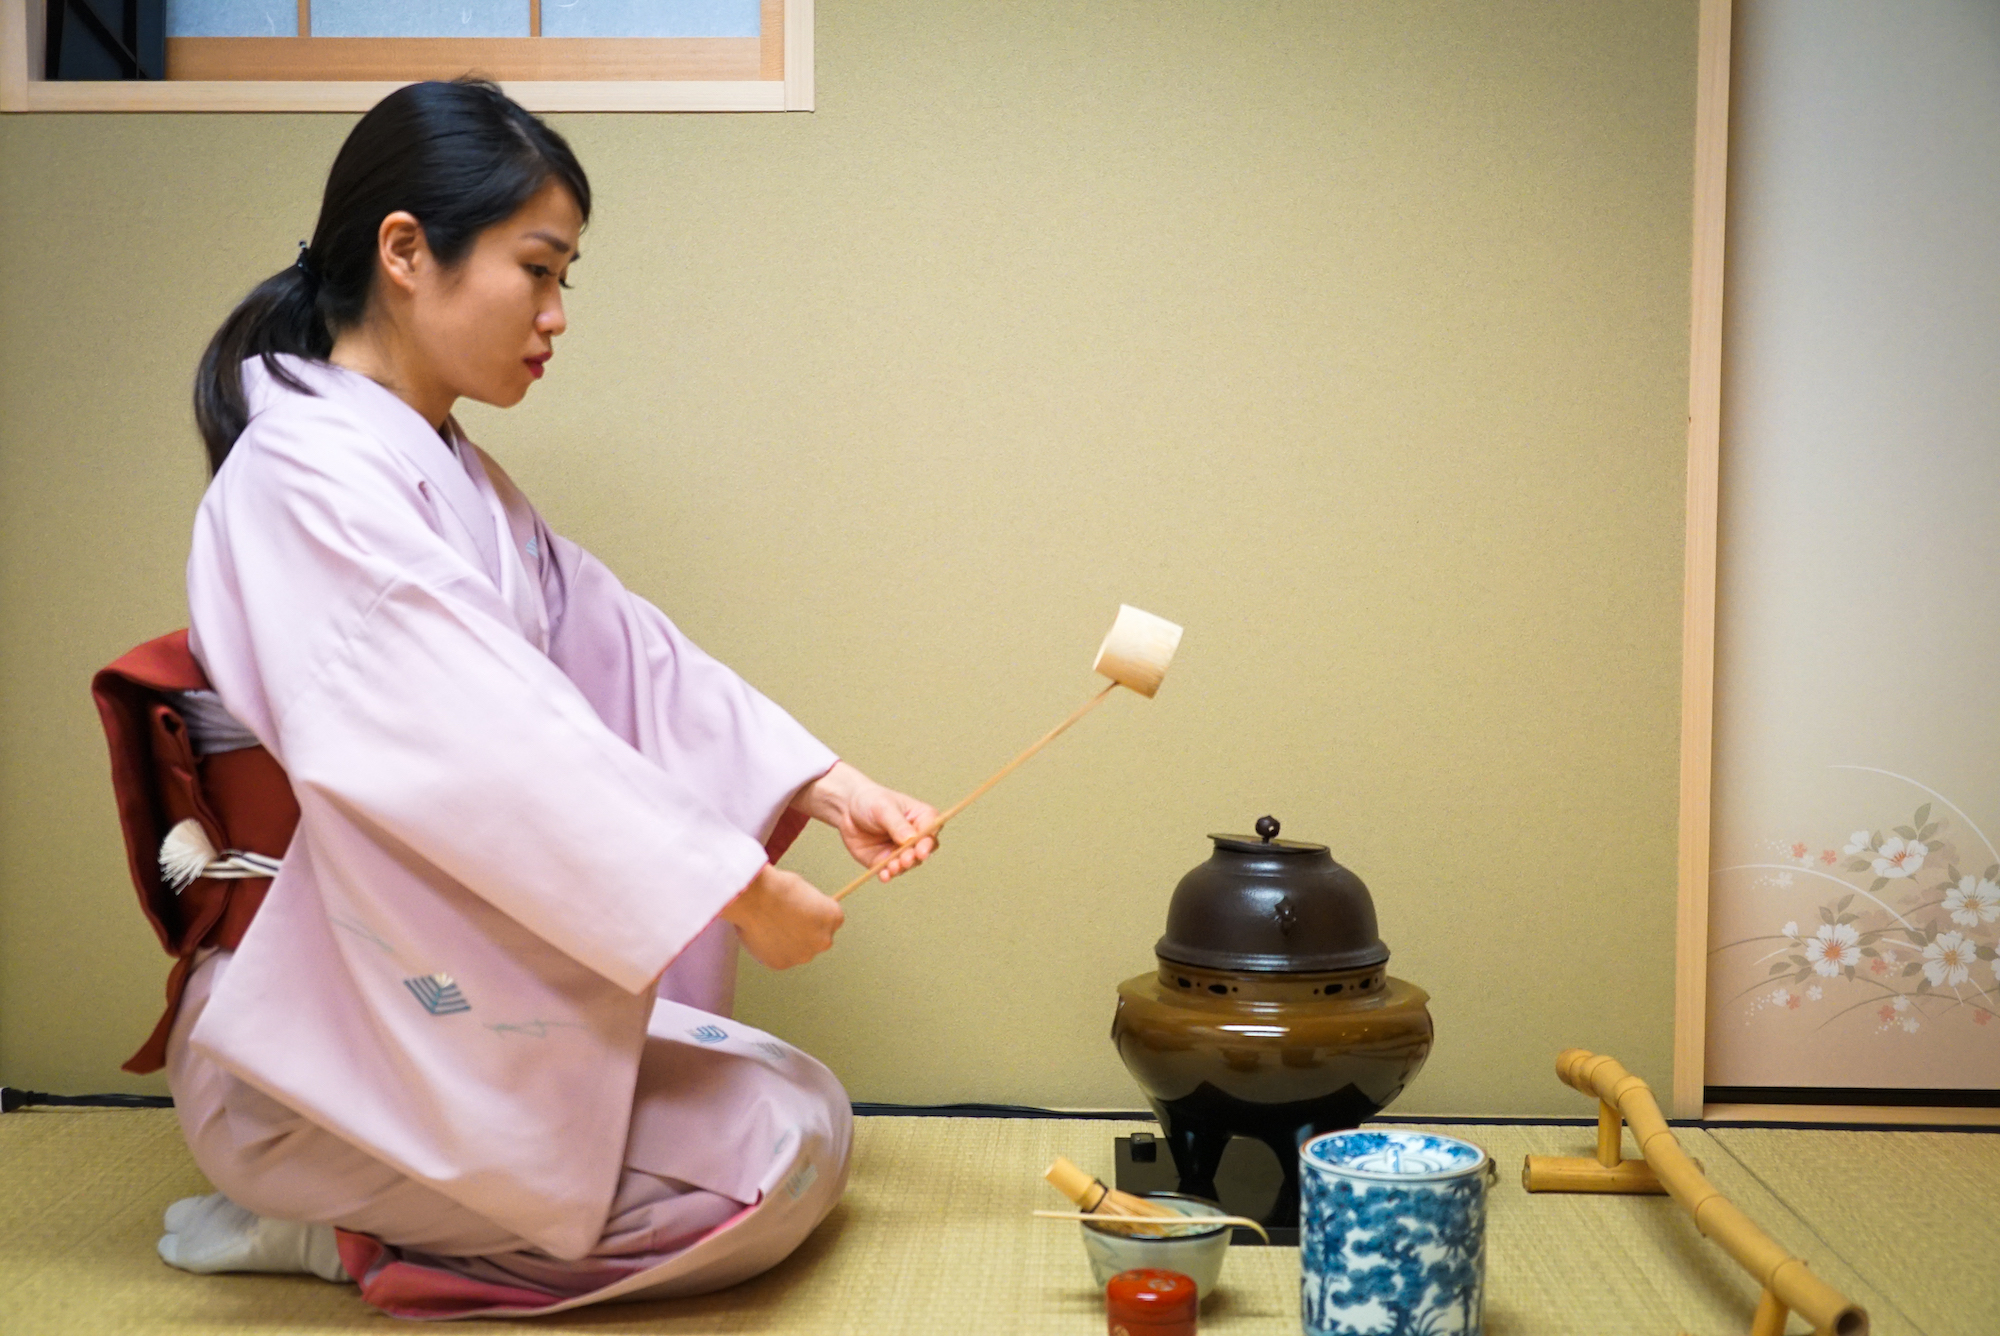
(1135, 655)
(1625, 1100)
(1609, 1172)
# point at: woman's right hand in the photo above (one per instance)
(783, 919)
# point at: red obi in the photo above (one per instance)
(241, 798)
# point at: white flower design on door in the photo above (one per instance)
(1907, 938)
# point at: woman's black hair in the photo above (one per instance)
(459, 156)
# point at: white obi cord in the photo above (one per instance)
(187, 852)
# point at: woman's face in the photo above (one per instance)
(485, 327)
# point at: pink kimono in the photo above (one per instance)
(481, 1016)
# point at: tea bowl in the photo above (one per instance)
(1196, 1254)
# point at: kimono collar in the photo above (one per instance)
(401, 427)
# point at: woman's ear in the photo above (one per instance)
(401, 249)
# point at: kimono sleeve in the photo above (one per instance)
(398, 690)
(670, 700)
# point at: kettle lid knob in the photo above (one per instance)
(1267, 828)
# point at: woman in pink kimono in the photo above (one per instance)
(475, 1051)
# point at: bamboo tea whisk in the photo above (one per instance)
(1135, 655)
(1094, 1198)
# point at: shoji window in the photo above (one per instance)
(553, 55)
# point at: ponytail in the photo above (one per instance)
(280, 316)
(459, 156)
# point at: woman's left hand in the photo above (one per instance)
(872, 820)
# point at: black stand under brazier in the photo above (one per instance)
(1246, 1184)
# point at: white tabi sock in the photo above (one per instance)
(212, 1233)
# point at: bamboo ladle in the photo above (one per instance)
(1135, 655)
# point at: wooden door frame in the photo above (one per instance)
(1704, 454)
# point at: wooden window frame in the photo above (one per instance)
(773, 72)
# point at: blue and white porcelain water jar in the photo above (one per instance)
(1392, 1234)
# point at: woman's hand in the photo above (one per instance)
(871, 820)
(783, 919)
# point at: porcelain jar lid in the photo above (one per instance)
(1273, 906)
(1393, 1156)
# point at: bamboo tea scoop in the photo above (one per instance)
(1153, 1225)
(1135, 654)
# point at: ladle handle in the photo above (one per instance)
(937, 824)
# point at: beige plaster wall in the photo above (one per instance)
(1351, 336)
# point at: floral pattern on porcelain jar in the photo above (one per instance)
(1393, 1235)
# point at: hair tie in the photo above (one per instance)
(304, 265)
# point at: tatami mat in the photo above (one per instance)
(1917, 1214)
(935, 1236)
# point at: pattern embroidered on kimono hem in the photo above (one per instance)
(708, 1034)
(532, 1029)
(362, 932)
(439, 995)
